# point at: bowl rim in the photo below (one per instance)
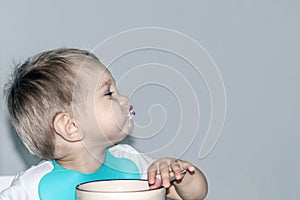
(108, 180)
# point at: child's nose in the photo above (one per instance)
(123, 100)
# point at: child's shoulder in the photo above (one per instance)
(26, 182)
(35, 171)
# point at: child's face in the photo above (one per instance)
(107, 111)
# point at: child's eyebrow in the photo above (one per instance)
(105, 83)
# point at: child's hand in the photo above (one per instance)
(159, 171)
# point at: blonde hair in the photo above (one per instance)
(39, 89)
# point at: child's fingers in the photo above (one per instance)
(154, 178)
(186, 165)
(156, 184)
(165, 176)
(177, 169)
(160, 172)
(152, 171)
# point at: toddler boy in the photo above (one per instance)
(67, 110)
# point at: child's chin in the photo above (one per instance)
(130, 125)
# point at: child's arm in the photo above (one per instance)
(192, 185)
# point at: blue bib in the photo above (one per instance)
(60, 183)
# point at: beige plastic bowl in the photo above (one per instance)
(119, 189)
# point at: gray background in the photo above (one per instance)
(255, 45)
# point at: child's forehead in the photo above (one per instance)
(94, 76)
(105, 78)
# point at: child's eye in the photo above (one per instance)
(108, 93)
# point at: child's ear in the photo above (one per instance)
(65, 126)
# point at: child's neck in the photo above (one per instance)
(83, 161)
